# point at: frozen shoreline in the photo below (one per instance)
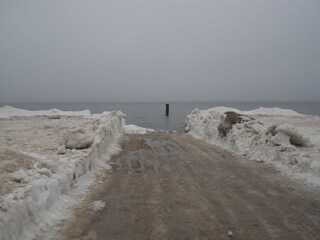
(42, 179)
(39, 182)
(267, 135)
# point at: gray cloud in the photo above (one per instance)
(168, 50)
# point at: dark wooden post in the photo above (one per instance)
(167, 109)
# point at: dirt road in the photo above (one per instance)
(172, 186)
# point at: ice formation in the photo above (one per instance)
(8, 111)
(283, 138)
(133, 129)
(44, 184)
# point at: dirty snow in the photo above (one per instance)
(40, 177)
(133, 129)
(283, 138)
(98, 205)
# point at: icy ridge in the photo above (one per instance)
(8, 111)
(31, 210)
(134, 129)
(283, 138)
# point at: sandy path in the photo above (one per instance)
(172, 186)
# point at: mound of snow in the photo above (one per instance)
(258, 111)
(8, 111)
(133, 129)
(272, 111)
(52, 183)
(280, 137)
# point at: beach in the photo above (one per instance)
(51, 161)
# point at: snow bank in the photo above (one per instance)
(272, 112)
(44, 192)
(8, 111)
(258, 111)
(133, 129)
(283, 138)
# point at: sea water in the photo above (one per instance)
(152, 115)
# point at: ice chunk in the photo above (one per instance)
(296, 138)
(20, 176)
(281, 139)
(62, 149)
(78, 139)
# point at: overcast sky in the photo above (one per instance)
(159, 50)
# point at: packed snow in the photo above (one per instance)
(283, 138)
(48, 159)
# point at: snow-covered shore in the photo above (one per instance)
(47, 161)
(285, 139)
(8, 111)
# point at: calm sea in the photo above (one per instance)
(152, 115)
